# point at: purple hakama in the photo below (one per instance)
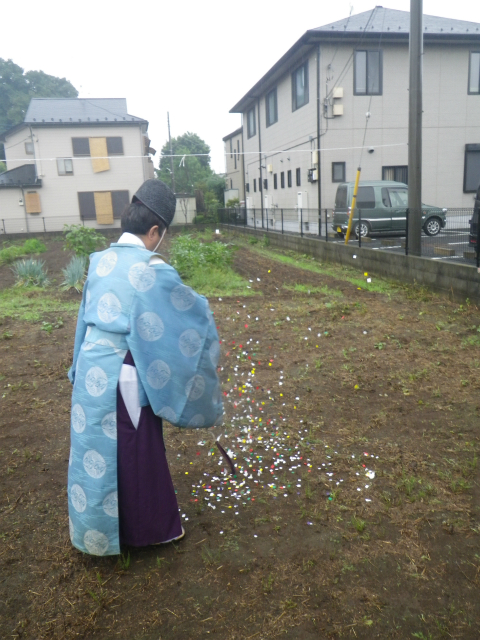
(148, 509)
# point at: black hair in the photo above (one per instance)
(139, 219)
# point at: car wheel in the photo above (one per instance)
(340, 235)
(432, 227)
(364, 229)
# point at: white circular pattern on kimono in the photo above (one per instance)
(150, 326)
(168, 414)
(141, 276)
(89, 328)
(78, 497)
(71, 529)
(88, 298)
(109, 425)
(195, 387)
(78, 419)
(182, 298)
(197, 421)
(87, 346)
(96, 381)
(110, 504)
(106, 264)
(158, 374)
(214, 353)
(94, 464)
(109, 308)
(96, 542)
(190, 343)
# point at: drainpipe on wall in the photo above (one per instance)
(319, 175)
(25, 209)
(260, 158)
(34, 154)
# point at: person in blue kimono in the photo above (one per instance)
(146, 348)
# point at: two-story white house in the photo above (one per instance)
(234, 169)
(72, 160)
(305, 122)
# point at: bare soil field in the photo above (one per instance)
(352, 417)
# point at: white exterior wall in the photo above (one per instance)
(58, 194)
(234, 174)
(451, 120)
(185, 211)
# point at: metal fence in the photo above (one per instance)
(452, 242)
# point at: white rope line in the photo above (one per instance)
(194, 155)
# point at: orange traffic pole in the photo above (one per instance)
(354, 202)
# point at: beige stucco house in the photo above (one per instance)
(305, 122)
(234, 166)
(71, 161)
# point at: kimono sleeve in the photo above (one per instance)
(175, 346)
(80, 332)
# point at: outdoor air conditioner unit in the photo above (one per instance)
(270, 168)
(338, 109)
(312, 175)
(337, 92)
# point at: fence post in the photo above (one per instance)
(319, 223)
(266, 214)
(44, 227)
(281, 211)
(262, 217)
(359, 228)
(255, 219)
(406, 229)
(326, 225)
(301, 223)
(3, 223)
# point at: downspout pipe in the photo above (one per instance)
(319, 175)
(260, 156)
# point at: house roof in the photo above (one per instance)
(390, 23)
(23, 176)
(76, 111)
(234, 133)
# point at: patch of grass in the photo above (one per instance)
(11, 252)
(33, 303)
(215, 281)
(30, 272)
(302, 288)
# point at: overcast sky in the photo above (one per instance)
(194, 59)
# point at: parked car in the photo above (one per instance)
(474, 223)
(383, 208)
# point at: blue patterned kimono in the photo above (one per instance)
(131, 304)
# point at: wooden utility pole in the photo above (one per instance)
(171, 153)
(415, 107)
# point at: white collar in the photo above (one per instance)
(130, 238)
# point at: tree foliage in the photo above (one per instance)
(17, 88)
(193, 174)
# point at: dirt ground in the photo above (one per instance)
(353, 420)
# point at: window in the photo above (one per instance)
(271, 106)
(338, 171)
(65, 166)
(289, 178)
(397, 174)
(102, 206)
(275, 186)
(247, 186)
(368, 73)
(474, 73)
(29, 148)
(282, 180)
(235, 157)
(298, 178)
(231, 183)
(471, 174)
(300, 86)
(231, 147)
(251, 128)
(265, 184)
(81, 146)
(366, 198)
(32, 202)
(255, 184)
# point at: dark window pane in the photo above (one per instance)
(472, 170)
(298, 178)
(289, 178)
(366, 198)
(282, 180)
(474, 79)
(248, 187)
(300, 86)
(397, 174)
(274, 180)
(81, 146)
(271, 105)
(86, 202)
(338, 171)
(235, 157)
(360, 72)
(254, 184)
(120, 200)
(251, 129)
(265, 184)
(341, 198)
(115, 146)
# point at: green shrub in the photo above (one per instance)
(30, 272)
(32, 245)
(74, 274)
(189, 255)
(9, 254)
(82, 240)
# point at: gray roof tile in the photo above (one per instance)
(79, 110)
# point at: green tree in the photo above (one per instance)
(17, 88)
(3, 167)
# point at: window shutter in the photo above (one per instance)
(99, 153)
(103, 207)
(32, 202)
(86, 203)
(120, 200)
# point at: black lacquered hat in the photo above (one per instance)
(159, 198)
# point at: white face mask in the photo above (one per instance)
(160, 241)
